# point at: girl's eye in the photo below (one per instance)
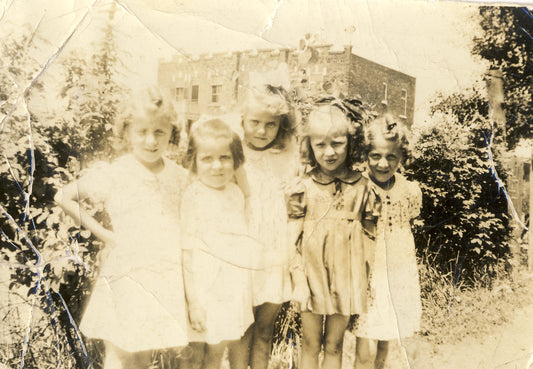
(159, 133)
(320, 144)
(391, 157)
(206, 159)
(226, 157)
(374, 156)
(337, 144)
(271, 125)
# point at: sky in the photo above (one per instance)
(428, 40)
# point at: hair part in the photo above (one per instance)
(391, 129)
(214, 129)
(275, 101)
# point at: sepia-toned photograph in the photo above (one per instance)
(266, 184)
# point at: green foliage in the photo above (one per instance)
(507, 43)
(464, 227)
(53, 260)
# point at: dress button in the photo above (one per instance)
(390, 224)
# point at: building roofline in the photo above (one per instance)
(384, 66)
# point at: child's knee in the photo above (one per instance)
(333, 346)
(363, 351)
(312, 344)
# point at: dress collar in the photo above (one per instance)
(350, 177)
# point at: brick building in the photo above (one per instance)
(215, 83)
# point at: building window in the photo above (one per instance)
(385, 94)
(404, 99)
(195, 91)
(215, 93)
(180, 93)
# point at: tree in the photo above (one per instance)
(506, 43)
(464, 227)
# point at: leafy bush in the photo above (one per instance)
(464, 227)
(52, 261)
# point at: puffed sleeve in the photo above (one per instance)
(295, 199)
(415, 200)
(371, 209)
(97, 182)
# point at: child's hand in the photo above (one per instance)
(197, 318)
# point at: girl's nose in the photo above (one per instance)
(383, 163)
(261, 129)
(329, 151)
(216, 164)
(150, 139)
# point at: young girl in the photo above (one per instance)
(218, 252)
(137, 304)
(327, 213)
(271, 154)
(396, 310)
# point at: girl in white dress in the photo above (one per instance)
(218, 253)
(271, 159)
(138, 302)
(395, 310)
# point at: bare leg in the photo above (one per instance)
(265, 317)
(381, 355)
(334, 337)
(239, 351)
(193, 356)
(365, 353)
(410, 345)
(213, 355)
(311, 340)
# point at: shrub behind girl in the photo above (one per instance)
(137, 304)
(396, 310)
(327, 210)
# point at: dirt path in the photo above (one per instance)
(509, 346)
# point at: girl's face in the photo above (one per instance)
(384, 159)
(260, 127)
(149, 140)
(328, 137)
(214, 162)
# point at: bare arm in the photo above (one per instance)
(196, 311)
(69, 199)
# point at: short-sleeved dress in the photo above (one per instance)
(138, 300)
(396, 309)
(332, 248)
(223, 288)
(268, 173)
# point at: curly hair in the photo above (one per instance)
(212, 129)
(274, 100)
(391, 129)
(354, 113)
(149, 103)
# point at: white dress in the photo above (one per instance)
(268, 173)
(396, 309)
(138, 300)
(223, 287)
